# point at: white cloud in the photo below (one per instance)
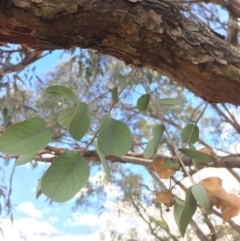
(98, 178)
(69, 237)
(50, 209)
(29, 229)
(26, 229)
(235, 148)
(112, 191)
(78, 219)
(53, 219)
(33, 229)
(111, 220)
(29, 209)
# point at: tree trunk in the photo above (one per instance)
(150, 33)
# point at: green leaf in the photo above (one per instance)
(194, 161)
(114, 93)
(197, 155)
(121, 80)
(62, 91)
(187, 212)
(152, 146)
(179, 201)
(26, 137)
(149, 149)
(170, 101)
(80, 122)
(114, 137)
(177, 212)
(39, 190)
(200, 194)
(103, 161)
(188, 130)
(65, 177)
(143, 101)
(169, 163)
(157, 135)
(68, 114)
(23, 159)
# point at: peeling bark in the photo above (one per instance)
(150, 33)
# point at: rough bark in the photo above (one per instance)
(150, 33)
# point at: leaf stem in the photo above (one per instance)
(56, 121)
(109, 90)
(134, 71)
(75, 110)
(92, 140)
(167, 133)
(111, 107)
(195, 124)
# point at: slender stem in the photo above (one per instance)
(111, 107)
(90, 142)
(200, 116)
(100, 96)
(134, 71)
(167, 133)
(179, 158)
(75, 109)
(195, 124)
(60, 119)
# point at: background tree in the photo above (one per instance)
(90, 75)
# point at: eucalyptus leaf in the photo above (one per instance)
(169, 163)
(200, 194)
(39, 190)
(197, 155)
(149, 149)
(114, 94)
(152, 146)
(170, 101)
(177, 212)
(158, 131)
(121, 80)
(114, 137)
(188, 130)
(65, 177)
(179, 201)
(187, 212)
(62, 91)
(194, 161)
(143, 101)
(157, 135)
(26, 137)
(80, 122)
(65, 117)
(23, 159)
(103, 161)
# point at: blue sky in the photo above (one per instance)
(25, 180)
(37, 220)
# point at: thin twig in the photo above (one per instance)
(167, 133)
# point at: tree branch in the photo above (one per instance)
(155, 34)
(49, 154)
(30, 57)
